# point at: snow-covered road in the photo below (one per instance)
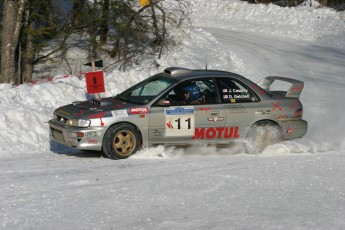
(198, 192)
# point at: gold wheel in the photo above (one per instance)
(124, 143)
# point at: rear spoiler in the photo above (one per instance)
(294, 91)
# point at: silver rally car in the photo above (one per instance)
(183, 106)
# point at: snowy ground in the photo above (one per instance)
(292, 185)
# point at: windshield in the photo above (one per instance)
(146, 91)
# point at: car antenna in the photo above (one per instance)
(206, 64)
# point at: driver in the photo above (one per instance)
(190, 94)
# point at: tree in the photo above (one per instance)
(115, 29)
(142, 33)
(11, 26)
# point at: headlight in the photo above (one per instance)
(79, 122)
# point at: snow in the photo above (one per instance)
(292, 185)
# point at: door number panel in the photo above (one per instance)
(179, 122)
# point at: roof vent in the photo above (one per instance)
(173, 71)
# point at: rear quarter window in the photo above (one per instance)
(233, 91)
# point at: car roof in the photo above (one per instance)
(183, 73)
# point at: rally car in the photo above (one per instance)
(183, 106)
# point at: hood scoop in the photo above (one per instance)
(100, 102)
(95, 102)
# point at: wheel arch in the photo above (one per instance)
(264, 122)
(263, 133)
(128, 123)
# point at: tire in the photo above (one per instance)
(121, 141)
(261, 135)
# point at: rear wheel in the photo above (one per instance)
(261, 135)
(121, 141)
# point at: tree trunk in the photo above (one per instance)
(28, 55)
(103, 31)
(158, 39)
(11, 25)
(77, 9)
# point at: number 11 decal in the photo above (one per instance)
(179, 122)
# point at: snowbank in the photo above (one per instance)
(303, 23)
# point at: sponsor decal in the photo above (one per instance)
(61, 111)
(69, 140)
(214, 113)
(98, 115)
(241, 96)
(179, 121)
(179, 111)
(294, 104)
(289, 130)
(156, 133)
(240, 90)
(298, 88)
(81, 112)
(92, 141)
(298, 113)
(118, 106)
(233, 100)
(215, 119)
(92, 134)
(234, 106)
(96, 109)
(139, 110)
(218, 132)
(262, 112)
(70, 135)
(276, 106)
(119, 113)
(285, 116)
(205, 109)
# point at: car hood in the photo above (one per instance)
(85, 109)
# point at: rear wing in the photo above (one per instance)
(294, 91)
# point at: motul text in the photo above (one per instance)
(219, 132)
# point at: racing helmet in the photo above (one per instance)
(193, 90)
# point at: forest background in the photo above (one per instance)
(121, 32)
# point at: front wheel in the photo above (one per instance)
(121, 141)
(262, 135)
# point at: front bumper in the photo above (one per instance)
(80, 138)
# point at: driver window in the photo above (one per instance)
(192, 92)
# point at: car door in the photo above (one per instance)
(202, 118)
(240, 105)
